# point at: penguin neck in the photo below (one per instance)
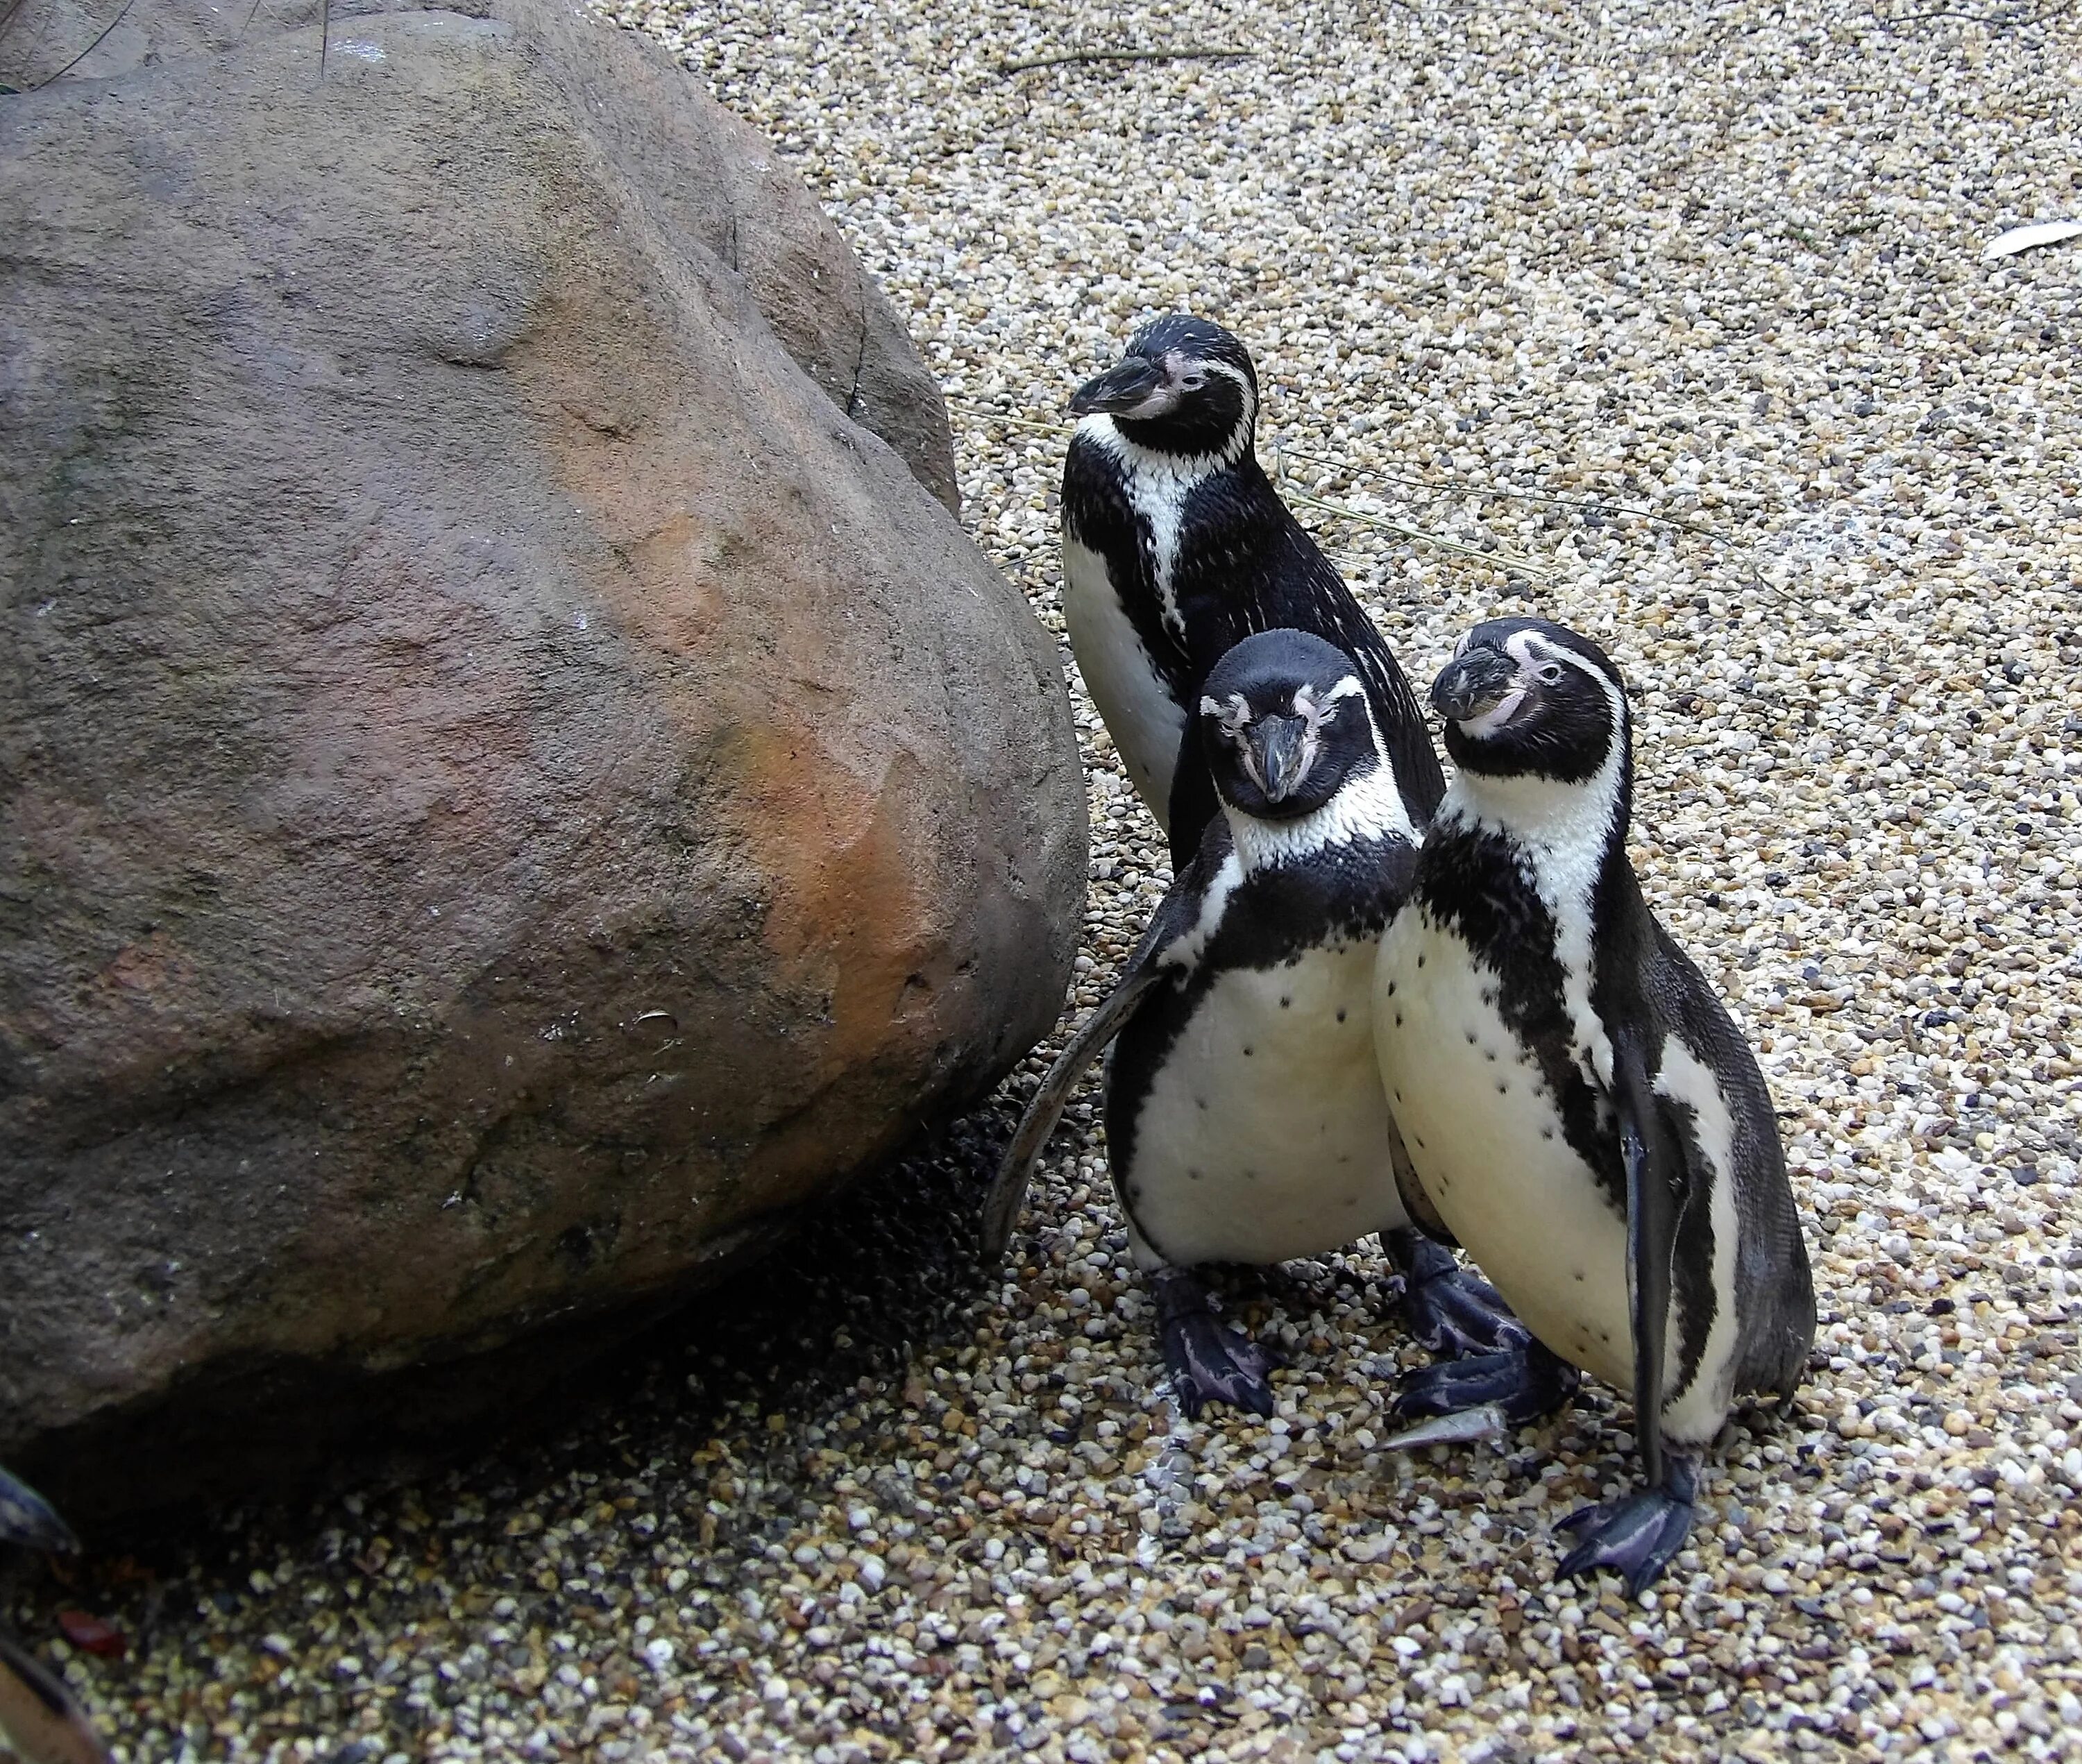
(1571, 840)
(1140, 460)
(1568, 830)
(1159, 485)
(1367, 807)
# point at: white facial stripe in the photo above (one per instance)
(1532, 651)
(1319, 711)
(1242, 383)
(1234, 714)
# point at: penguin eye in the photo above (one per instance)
(1551, 674)
(1192, 381)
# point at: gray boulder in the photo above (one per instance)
(508, 791)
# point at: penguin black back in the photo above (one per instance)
(1176, 547)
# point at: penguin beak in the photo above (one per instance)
(1120, 389)
(1475, 684)
(1281, 752)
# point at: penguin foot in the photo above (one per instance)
(1637, 1534)
(1451, 1311)
(27, 1517)
(1209, 1362)
(1522, 1384)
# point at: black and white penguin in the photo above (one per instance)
(1244, 1117)
(39, 1722)
(1176, 547)
(1577, 1106)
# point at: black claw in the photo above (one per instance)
(1209, 1363)
(1637, 1534)
(1525, 1383)
(1451, 1311)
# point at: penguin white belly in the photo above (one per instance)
(1483, 1135)
(1264, 1134)
(1145, 723)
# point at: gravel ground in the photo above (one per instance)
(1673, 319)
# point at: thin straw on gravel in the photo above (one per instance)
(1718, 263)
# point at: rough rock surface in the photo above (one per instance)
(505, 791)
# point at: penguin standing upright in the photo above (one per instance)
(1176, 547)
(1244, 1117)
(1576, 1104)
(39, 1722)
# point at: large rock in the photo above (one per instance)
(506, 793)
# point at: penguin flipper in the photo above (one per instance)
(38, 1720)
(27, 1517)
(1008, 1188)
(1638, 1534)
(1653, 1173)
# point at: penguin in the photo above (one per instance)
(1244, 1117)
(1176, 547)
(1576, 1105)
(39, 1722)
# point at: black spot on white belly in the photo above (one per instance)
(1341, 1013)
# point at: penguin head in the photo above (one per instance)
(1186, 386)
(1530, 697)
(1284, 725)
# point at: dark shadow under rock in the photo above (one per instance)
(843, 1290)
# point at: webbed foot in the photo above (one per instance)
(1450, 1310)
(1522, 1384)
(1209, 1362)
(1637, 1534)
